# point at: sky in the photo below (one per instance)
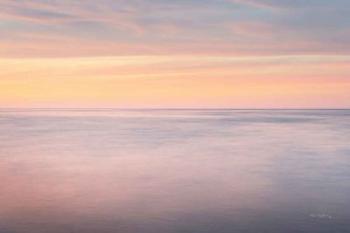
(175, 53)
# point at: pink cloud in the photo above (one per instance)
(258, 4)
(254, 28)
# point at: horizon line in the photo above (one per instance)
(154, 109)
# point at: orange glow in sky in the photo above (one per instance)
(174, 54)
(176, 81)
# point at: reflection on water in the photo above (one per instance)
(173, 171)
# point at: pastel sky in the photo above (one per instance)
(175, 53)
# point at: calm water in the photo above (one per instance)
(173, 171)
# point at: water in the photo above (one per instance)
(174, 171)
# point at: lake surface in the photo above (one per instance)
(174, 171)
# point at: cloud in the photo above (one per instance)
(107, 27)
(257, 3)
(254, 29)
(293, 4)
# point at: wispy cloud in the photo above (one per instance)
(258, 3)
(232, 27)
(294, 4)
